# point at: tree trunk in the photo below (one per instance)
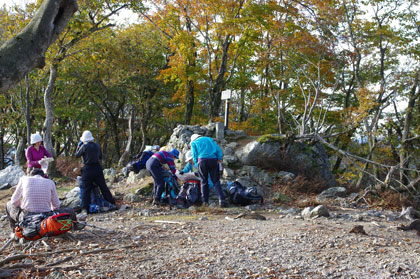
(49, 118)
(1, 148)
(414, 94)
(189, 102)
(219, 83)
(25, 51)
(126, 153)
(20, 158)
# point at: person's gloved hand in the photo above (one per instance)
(196, 173)
(181, 172)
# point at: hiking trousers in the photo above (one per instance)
(91, 175)
(210, 167)
(155, 168)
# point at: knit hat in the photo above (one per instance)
(36, 138)
(175, 153)
(87, 136)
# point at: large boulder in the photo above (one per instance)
(284, 154)
(11, 175)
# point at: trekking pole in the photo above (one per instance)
(93, 226)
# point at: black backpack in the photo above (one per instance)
(190, 194)
(140, 162)
(243, 196)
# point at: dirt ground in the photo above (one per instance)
(141, 241)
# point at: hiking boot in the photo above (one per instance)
(223, 203)
(158, 203)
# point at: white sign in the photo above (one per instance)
(226, 95)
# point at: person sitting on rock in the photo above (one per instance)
(34, 194)
(92, 173)
(155, 166)
(36, 152)
(207, 155)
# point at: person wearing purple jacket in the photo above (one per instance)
(155, 166)
(36, 152)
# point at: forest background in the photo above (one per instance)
(344, 72)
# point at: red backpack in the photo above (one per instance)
(36, 226)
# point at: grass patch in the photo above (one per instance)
(272, 138)
(281, 198)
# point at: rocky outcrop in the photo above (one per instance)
(257, 163)
(282, 154)
(11, 175)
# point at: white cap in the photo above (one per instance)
(87, 136)
(36, 138)
(195, 136)
(188, 156)
(148, 148)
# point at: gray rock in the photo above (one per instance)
(220, 131)
(132, 198)
(11, 175)
(334, 192)
(285, 176)
(5, 186)
(229, 160)
(319, 211)
(311, 158)
(253, 207)
(228, 174)
(306, 213)
(258, 175)
(110, 175)
(72, 198)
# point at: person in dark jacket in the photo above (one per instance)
(92, 170)
(207, 155)
(155, 166)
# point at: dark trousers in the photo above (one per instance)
(155, 168)
(92, 175)
(210, 167)
(16, 214)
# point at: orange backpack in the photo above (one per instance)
(34, 227)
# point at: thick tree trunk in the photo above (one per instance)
(26, 51)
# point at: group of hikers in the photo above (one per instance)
(37, 194)
(203, 159)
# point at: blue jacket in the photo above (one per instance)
(205, 148)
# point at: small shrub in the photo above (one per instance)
(67, 165)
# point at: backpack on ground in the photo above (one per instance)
(140, 162)
(243, 196)
(190, 194)
(40, 225)
(171, 189)
(97, 202)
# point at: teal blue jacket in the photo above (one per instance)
(205, 148)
